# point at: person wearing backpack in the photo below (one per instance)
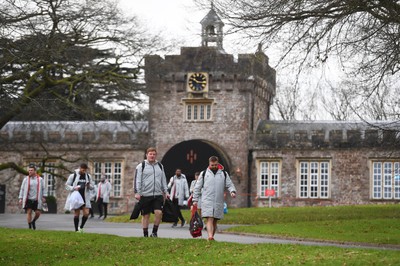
(83, 183)
(179, 193)
(32, 195)
(210, 186)
(150, 189)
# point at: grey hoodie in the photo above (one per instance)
(150, 182)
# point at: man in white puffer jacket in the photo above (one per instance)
(210, 186)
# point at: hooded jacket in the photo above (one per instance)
(211, 189)
(151, 181)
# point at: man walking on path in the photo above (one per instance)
(150, 189)
(32, 195)
(103, 196)
(179, 193)
(82, 182)
(210, 186)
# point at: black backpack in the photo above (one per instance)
(203, 174)
(143, 165)
(159, 164)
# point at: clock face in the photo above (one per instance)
(197, 81)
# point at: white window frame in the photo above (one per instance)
(269, 177)
(314, 177)
(198, 111)
(113, 170)
(385, 179)
(50, 180)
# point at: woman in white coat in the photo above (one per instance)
(210, 186)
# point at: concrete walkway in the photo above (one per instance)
(64, 222)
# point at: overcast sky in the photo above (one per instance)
(179, 20)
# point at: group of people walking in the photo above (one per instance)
(208, 189)
(32, 196)
(151, 190)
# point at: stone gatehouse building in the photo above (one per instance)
(205, 102)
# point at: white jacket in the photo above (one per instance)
(23, 193)
(179, 188)
(71, 183)
(105, 189)
(211, 189)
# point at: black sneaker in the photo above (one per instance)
(174, 225)
(153, 235)
(183, 223)
(33, 225)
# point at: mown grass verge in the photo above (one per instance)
(377, 224)
(27, 247)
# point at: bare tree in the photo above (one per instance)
(362, 35)
(295, 101)
(72, 53)
(337, 101)
(67, 59)
(345, 102)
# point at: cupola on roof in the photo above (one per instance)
(211, 30)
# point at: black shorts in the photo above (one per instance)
(149, 204)
(31, 204)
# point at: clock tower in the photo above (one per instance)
(205, 102)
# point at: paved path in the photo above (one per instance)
(64, 222)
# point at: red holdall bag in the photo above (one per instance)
(196, 223)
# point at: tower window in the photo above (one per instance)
(198, 111)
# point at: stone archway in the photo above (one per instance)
(192, 156)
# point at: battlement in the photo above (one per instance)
(219, 65)
(71, 132)
(326, 134)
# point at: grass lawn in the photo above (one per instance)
(377, 224)
(27, 247)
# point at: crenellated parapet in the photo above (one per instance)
(325, 134)
(221, 67)
(75, 132)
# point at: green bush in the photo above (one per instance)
(51, 199)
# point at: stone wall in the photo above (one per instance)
(349, 146)
(71, 143)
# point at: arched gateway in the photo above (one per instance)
(192, 156)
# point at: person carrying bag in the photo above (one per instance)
(196, 223)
